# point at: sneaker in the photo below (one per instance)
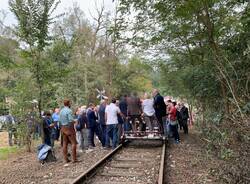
(150, 135)
(106, 148)
(80, 151)
(66, 165)
(89, 150)
(76, 161)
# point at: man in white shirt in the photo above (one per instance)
(148, 111)
(111, 119)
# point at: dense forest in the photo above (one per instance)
(198, 51)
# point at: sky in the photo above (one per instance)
(88, 6)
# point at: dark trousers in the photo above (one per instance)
(160, 120)
(91, 132)
(47, 139)
(174, 129)
(127, 125)
(112, 133)
(185, 126)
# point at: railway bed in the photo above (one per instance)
(128, 164)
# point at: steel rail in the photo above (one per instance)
(91, 171)
(161, 171)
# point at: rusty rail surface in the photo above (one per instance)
(161, 171)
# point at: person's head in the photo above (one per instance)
(57, 110)
(134, 94)
(155, 92)
(174, 104)
(104, 101)
(66, 103)
(83, 109)
(47, 113)
(147, 96)
(169, 102)
(113, 100)
(117, 102)
(124, 97)
(91, 106)
(182, 104)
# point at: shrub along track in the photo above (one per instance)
(128, 164)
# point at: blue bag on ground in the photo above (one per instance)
(44, 153)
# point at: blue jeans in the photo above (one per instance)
(112, 133)
(127, 126)
(174, 129)
(104, 135)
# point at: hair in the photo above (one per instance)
(134, 94)
(91, 104)
(169, 101)
(113, 100)
(47, 113)
(174, 103)
(147, 95)
(66, 102)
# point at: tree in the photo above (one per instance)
(34, 18)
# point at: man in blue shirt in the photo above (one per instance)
(67, 128)
(55, 118)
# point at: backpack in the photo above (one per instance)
(45, 153)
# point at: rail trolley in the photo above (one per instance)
(146, 135)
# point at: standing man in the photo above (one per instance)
(184, 117)
(101, 113)
(67, 129)
(48, 127)
(10, 127)
(160, 108)
(93, 126)
(135, 111)
(111, 118)
(124, 110)
(55, 117)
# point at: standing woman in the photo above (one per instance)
(173, 121)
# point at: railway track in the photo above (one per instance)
(128, 164)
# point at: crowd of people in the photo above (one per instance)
(108, 121)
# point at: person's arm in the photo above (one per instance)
(120, 113)
(106, 118)
(187, 113)
(70, 117)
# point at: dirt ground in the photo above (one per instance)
(3, 139)
(188, 163)
(25, 168)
